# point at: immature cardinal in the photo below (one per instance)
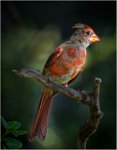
(63, 66)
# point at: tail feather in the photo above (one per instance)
(40, 122)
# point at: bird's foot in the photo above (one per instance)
(66, 85)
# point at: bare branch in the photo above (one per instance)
(89, 127)
(31, 73)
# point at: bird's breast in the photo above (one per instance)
(70, 61)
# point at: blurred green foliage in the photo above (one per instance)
(12, 128)
(27, 44)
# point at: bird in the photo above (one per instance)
(63, 66)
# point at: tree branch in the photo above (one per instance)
(92, 100)
(90, 127)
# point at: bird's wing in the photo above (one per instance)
(52, 58)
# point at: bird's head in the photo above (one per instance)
(84, 35)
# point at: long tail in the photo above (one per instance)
(40, 122)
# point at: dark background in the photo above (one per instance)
(30, 31)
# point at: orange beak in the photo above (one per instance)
(94, 38)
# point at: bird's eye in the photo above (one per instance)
(88, 32)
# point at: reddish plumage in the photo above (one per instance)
(41, 118)
(63, 65)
